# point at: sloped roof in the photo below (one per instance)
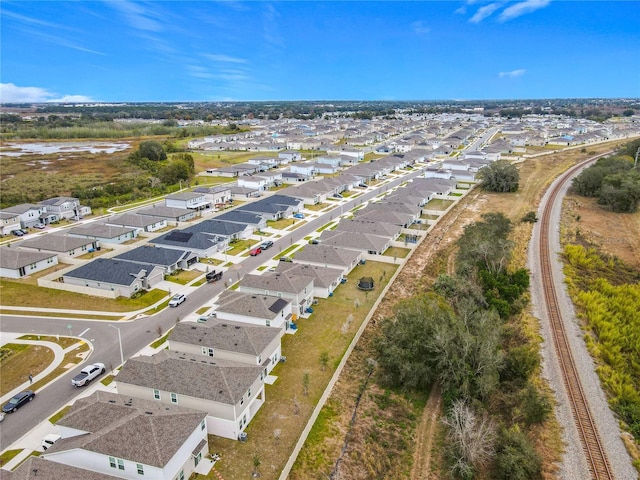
(225, 335)
(154, 255)
(264, 307)
(196, 376)
(327, 254)
(111, 270)
(36, 468)
(142, 431)
(276, 282)
(14, 258)
(56, 242)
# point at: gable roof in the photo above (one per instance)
(134, 220)
(111, 270)
(241, 216)
(154, 255)
(101, 230)
(13, 258)
(214, 226)
(56, 242)
(322, 276)
(275, 282)
(166, 212)
(264, 307)
(327, 254)
(134, 429)
(36, 468)
(195, 376)
(225, 335)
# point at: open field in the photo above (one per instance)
(18, 361)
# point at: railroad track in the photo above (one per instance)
(596, 457)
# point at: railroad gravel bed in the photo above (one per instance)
(574, 465)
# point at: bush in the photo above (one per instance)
(516, 459)
(535, 405)
(500, 176)
(530, 217)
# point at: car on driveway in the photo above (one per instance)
(255, 251)
(298, 215)
(87, 374)
(39, 226)
(177, 300)
(18, 401)
(266, 244)
(17, 233)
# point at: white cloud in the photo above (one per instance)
(224, 58)
(484, 12)
(420, 28)
(522, 8)
(513, 73)
(138, 16)
(11, 93)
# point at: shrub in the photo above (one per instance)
(516, 459)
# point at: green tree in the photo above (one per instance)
(152, 150)
(173, 172)
(516, 458)
(187, 158)
(500, 176)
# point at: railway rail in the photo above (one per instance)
(592, 445)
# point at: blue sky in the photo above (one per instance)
(179, 51)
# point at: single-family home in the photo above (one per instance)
(172, 214)
(288, 156)
(254, 182)
(51, 470)
(129, 437)
(298, 289)
(169, 259)
(9, 222)
(121, 278)
(367, 244)
(142, 223)
(293, 177)
(275, 312)
(219, 196)
(188, 200)
(232, 341)
(343, 259)
(204, 245)
(65, 246)
(373, 226)
(325, 279)
(230, 230)
(231, 393)
(30, 214)
(18, 263)
(305, 168)
(104, 233)
(242, 217)
(66, 207)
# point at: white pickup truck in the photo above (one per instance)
(87, 374)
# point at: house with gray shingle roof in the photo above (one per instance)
(66, 246)
(17, 263)
(47, 470)
(122, 277)
(172, 214)
(367, 244)
(9, 222)
(329, 256)
(252, 219)
(382, 214)
(104, 233)
(230, 230)
(298, 289)
(230, 392)
(66, 207)
(202, 244)
(325, 279)
(244, 307)
(366, 226)
(187, 200)
(231, 341)
(30, 214)
(168, 258)
(129, 437)
(142, 223)
(219, 196)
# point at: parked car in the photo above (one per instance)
(213, 276)
(265, 245)
(39, 226)
(285, 259)
(255, 251)
(17, 233)
(337, 195)
(298, 215)
(49, 440)
(87, 374)
(177, 300)
(18, 401)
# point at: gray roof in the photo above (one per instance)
(195, 376)
(185, 196)
(56, 242)
(59, 200)
(13, 258)
(36, 468)
(23, 207)
(322, 276)
(225, 335)
(188, 239)
(134, 220)
(251, 305)
(8, 215)
(326, 254)
(154, 255)
(275, 282)
(217, 227)
(166, 212)
(101, 230)
(369, 227)
(239, 216)
(143, 431)
(354, 241)
(111, 270)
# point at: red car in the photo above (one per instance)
(255, 251)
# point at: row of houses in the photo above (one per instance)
(52, 210)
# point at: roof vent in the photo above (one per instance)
(148, 412)
(192, 359)
(112, 401)
(194, 328)
(237, 327)
(253, 296)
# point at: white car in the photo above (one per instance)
(49, 440)
(87, 374)
(177, 300)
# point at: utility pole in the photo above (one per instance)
(635, 163)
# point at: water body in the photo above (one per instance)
(48, 148)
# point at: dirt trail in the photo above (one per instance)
(425, 435)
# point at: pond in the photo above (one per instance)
(47, 148)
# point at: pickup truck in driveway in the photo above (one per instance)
(87, 374)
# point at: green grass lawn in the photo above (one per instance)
(438, 204)
(18, 361)
(330, 329)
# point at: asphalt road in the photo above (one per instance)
(139, 333)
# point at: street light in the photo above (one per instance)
(120, 342)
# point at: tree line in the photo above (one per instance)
(463, 334)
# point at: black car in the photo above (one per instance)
(18, 400)
(17, 233)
